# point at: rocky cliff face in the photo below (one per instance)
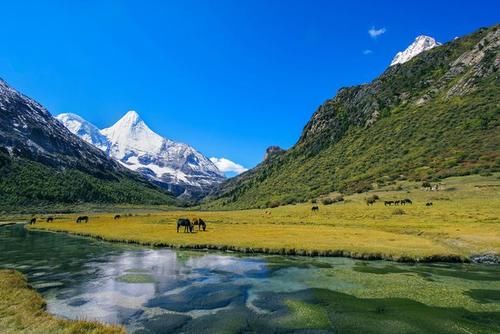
(273, 150)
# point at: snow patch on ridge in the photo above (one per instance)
(422, 43)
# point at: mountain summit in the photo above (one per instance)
(422, 43)
(175, 166)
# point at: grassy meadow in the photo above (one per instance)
(22, 310)
(464, 220)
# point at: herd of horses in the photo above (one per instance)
(398, 202)
(188, 225)
(371, 201)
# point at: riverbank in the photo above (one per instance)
(22, 310)
(463, 222)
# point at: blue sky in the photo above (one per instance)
(228, 77)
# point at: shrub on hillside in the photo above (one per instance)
(338, 198)
(327, 201)
(362, 187)
(274, 204)
(426, 184)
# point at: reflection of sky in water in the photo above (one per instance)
(83, 278)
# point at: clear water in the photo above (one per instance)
(163, 291)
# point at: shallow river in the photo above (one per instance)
(163, 291)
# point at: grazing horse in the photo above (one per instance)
(388, 203)
(407, 201)
(117, 217)
(32, 221)
(370, 201)
(201, 224)
(188, 227)
(315, 208)
(82, 219)
(428, 204)
(50, 219)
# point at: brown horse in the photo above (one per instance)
(315, 208)
(117, 217)
(201, 224)
(32, 221)
(50, 219)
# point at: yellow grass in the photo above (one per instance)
(464, 220)
(22, 310)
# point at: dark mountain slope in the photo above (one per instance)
(42, 162)
(435, 116)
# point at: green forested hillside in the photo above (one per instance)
(25, 183)
(435, 116)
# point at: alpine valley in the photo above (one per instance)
(382, 218)
(177, 167)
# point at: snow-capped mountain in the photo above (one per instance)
(176, 166)
(422, 43)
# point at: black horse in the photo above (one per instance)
(407, 201)
(315, 208)
(50, 219)
(388, 203)
(82, 219)
(428, 204)
(117, 217)
(32, 221)
(188, 227)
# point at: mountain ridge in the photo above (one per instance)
(43, 162)
(433, 116)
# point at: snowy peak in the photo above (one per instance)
(130, 133)
(182, 169)
(129, 120)
(422, 43)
